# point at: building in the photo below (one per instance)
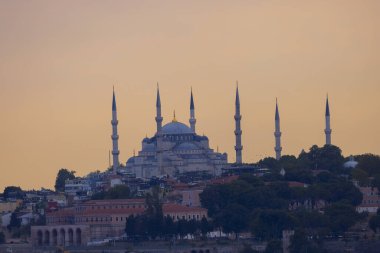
(371, 200)
(175, 149)
(77, 186)
(6, 207)
(99, 219)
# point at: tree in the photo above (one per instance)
(289, 162)
(116, 192)
(13, 192)
(169, 227)
(269, 224)
(300, 244)
(205, 226)
(328, 157)
(248, 249)
(14, 222)
(341, 217)
(2, 238)
(234, 219)
(369, 163)
(361, 176)
(182, 227)
(274, 246)
(270, 163)
(130, 226)
(154, 214)
(62, 176)
(374, 223)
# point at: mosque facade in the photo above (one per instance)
(175, 149)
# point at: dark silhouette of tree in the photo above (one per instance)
(274, 246)
(300, 244)
(62, 176)
(116, 192)
(341, 217)
(2, 238)
(13, 192)
(205, 226)
(370, 163)
(374, 223)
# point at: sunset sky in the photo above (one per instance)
(60, 59)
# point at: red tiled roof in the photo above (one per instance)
(109, 212)
(113, 201)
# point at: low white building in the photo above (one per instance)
(371, 200)
(77, 186)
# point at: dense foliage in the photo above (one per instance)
(116, 192)
(266, 206)
(14, 192)
(2, 238)
(62, 176)
(367, 171)
(153, 224)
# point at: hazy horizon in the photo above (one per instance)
(60, 60)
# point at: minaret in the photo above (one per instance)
(327, 117)
(115, 136)
(192, 119)
(277, 134)
(158, 110)
(238, 146)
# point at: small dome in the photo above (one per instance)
(131, 160)
(351, 163)
(176, 127)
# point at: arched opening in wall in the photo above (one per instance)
(55, 237)
(39, 238)
(47, 237)
(78, 233)
(71, 236)
(62, 235)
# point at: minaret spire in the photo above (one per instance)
(192, 119)
(114, 136)
(238, 132)
(277, 133)
(158, 110)
(327, 122)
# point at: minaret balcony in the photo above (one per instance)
(114, 122)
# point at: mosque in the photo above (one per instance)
(176, 148)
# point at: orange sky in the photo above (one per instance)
(59, 60)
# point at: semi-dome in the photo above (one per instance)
(176, 127)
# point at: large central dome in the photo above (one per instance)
(176, 127)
